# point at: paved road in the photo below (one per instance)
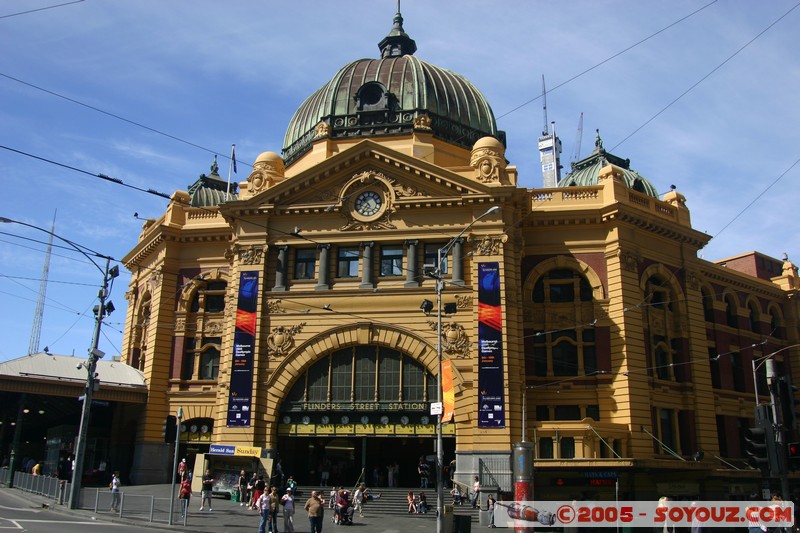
(23, 511)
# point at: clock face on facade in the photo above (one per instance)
(424, 420)
(325, 419)
(368, 203)
(345, 419)
(365, 419)
(404, 420)
(287, 419)
(384, 420)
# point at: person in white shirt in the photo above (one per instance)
(288, 511)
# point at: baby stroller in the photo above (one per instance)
(343, 509)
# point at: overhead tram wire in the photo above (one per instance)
(631, 47)
(40, 9)
(701, 80)
(118, 117)
(155, 130)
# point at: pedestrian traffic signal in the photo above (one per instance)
(760, 444)
(170, 429)
(793, 451)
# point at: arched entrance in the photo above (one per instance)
(357, 412)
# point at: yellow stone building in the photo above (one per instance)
(287, 316)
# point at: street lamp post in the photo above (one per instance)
(437, 274)
(100, 312)
(780, 439)
(175, 464)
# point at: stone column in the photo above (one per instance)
(324, 266)
(280, 269)
(458, 262)
(412, 274)
(367, 276)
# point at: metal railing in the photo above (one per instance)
(100, 500)
(495, 472)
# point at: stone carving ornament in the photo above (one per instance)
(281, 340)
(251, 255)
(489, 244)
(454, 338)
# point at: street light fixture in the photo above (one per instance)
(102, 310)
(778, 424)
(426, 306)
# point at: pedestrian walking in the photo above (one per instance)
(207, 490)
(491, 501)
(315, 510)
(184, 495)
(262, 504)
(274, 508)
(358, 500)
(115, 494)
(287, 501)
(423, 469)
(258, 489)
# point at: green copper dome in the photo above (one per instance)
(584, 173)
(380, 97)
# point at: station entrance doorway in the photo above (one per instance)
(348, 460)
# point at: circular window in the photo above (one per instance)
(370, 93)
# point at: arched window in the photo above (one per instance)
(731, 314)
(708, 304)
(663, 330)
(753, 315)
(565, 342)
(362, 379)
(202, 344)
(775, 324)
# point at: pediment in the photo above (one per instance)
(329, 185)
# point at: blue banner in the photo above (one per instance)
(241, 391)
(491, 399)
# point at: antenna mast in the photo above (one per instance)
(549, 149)
(545, 131)
(577, 155)
(36, 329)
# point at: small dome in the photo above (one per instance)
(211, 190)
(380, 97)
(268, 157)
(584, 173)
(491, 143)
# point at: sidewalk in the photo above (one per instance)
(229, 516)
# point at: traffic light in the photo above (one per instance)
(793, 451)
(170, 429)
(760, 444)
(786, 397)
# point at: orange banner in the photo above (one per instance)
(448, 394)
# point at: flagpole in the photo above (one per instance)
(230, 169)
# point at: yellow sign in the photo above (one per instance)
(345, 429)
(248, 450)
(326, 429)
(429, 429)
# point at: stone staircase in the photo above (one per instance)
(393, 502)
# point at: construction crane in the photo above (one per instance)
(36, 329)
(545, 131)
(578, 137)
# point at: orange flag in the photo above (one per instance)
(448, 394)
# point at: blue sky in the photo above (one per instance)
(208, 74)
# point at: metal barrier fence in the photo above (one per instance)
(101, 501)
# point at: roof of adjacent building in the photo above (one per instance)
(379, 97)
(64, 368)
(585, 172)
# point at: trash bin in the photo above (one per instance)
(484, 517)
(447, 522)
(462, 523)
(235, 495)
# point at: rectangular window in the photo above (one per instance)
(391, 260)
(666, 418)
(347, 263)
(593, 412)
(318, 383)
(304, 261)
(542, 413)
(432, 256)
(413, 381)
(545, 448)
(388, 376)
(341, 376)
(568, 412)
(567, 448)
(365, 374)
(209, 363)
(737, 372)
(187, 370)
